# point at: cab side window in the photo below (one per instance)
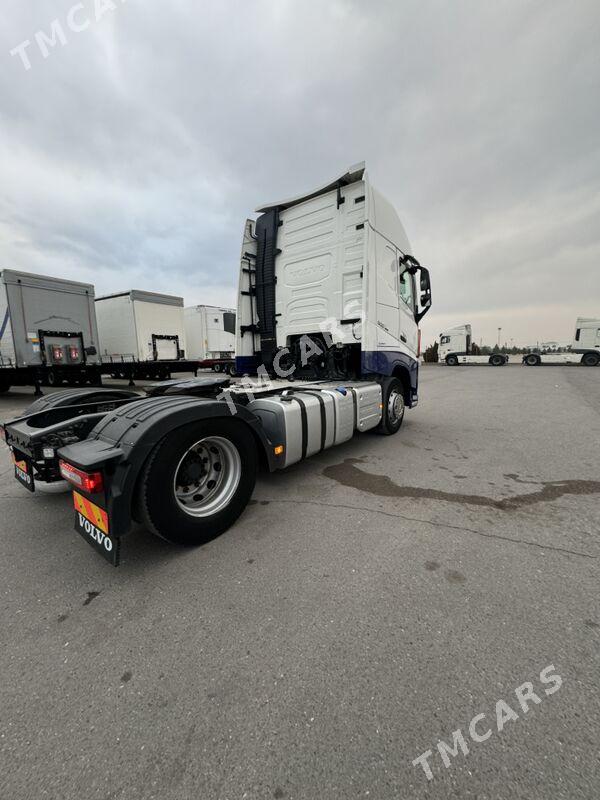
(406, 289)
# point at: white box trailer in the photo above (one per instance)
(48, 329)
(210, 336)
(140, 326)
(454, 347)
(585, 347)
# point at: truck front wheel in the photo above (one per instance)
(532, 360)
(393, 407)
(197, 481)
(451, 360)
(590, 360)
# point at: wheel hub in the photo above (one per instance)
(395, 406)
(207, 476)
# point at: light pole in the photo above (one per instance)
(499, 332)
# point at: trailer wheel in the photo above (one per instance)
(532, 360)
(393, 407)
(197, 481)
(497, 360)
(53, 378)
(590, 359)
(451, 360)
(217, 367)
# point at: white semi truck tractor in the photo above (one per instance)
(454, 347)
(585, 347)
(329, 303)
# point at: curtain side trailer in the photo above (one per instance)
(183, 459)
(584, 350)
(48, 331)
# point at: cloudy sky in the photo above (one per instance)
(132, 152)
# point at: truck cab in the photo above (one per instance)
(584, 349)
(455, 340)
(587, 335)
(329, 288)
(455, 347)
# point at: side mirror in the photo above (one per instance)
(425, 299)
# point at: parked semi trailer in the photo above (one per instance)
(210, 337)
(585, 347)
(48, 331)
(455, 345)
(142, 334)
(49, 334)
(183, 459)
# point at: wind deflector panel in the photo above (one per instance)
(266, 236)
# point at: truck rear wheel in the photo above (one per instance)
(497, 360)
(590, 359)
(197, 481)
(451, 360)
(393, 407)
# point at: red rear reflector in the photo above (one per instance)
(90, 482)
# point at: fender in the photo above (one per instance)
(122, 441)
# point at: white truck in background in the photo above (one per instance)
(329, 302)
(584, 349)
(454, 347)
(210, 337)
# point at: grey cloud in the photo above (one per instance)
(134, 153)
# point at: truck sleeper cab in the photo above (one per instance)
(183, 460)
(455, 347)
(584, 349)
(328, 288)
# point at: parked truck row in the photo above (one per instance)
(55, 331)
(455, 347)
(329, 302)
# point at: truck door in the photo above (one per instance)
(388, 318)
(165, 348)
(408, 327)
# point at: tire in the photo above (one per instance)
(590, 359)
(53, 378)
(217, 367)
(222, 452)
(532, 360)
(230, 369)
(393, 407)
(496, 361)
(451, 360)
(4, 387)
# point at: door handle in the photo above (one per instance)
(403, 337)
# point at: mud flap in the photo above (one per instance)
(92, 523)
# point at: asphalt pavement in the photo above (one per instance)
(370, 602)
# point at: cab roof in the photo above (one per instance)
(352, 174)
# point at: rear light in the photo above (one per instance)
(90, 482)
(419, 343)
